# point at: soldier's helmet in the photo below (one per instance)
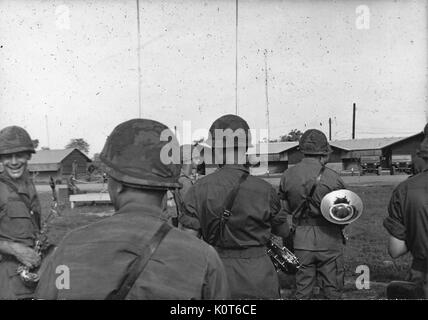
(229, 131)
(143, 153)
(341, 206)
(15, 139)
(314, 142)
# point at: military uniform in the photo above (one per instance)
(18, 223)
(408, 221)
(100, 254)
(256, 208)
(19, 208)
(318, 243)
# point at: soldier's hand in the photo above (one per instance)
(25, 255)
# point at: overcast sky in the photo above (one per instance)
(75, 64)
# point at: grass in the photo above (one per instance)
(366, 244)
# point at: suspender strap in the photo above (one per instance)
(317, 182)
(299, 210)
(228, 204)
(140, 263)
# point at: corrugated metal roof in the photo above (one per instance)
(273, 147)
(365, 144)
(49, 156)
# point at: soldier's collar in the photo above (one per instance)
(143, 209)
(311, 160)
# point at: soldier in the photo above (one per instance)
(318, 243)
(19, 212)
(175, 198)
(236, 213)
(407, 225)
(135, 254)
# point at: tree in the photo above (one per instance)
(35, 143)
(78, 143)
(293, 135)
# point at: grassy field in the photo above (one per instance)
(366, 244)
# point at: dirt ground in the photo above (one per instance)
(366, 244)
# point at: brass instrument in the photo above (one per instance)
(283, 259)
(41, 247)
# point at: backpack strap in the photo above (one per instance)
(140, 263)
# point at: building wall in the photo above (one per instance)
(81, 161)
(44, 176)
(408, 146)
(349, 164)
(277, 166)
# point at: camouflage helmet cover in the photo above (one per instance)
(15, 139)
(133, 152)
(314, 142)
(229, 127)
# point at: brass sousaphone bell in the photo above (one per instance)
(341, 206)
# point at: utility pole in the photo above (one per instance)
(47, 130)
(267, 96)
(236, 57)
(139, 58)
(329, 129)
(353, 120)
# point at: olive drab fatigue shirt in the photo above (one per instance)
(407, 218)
(99, 255)
(19, 222)
(256, 209)
(296, 183)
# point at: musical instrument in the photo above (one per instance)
(41, 247)
(341, 206)
(283, 259)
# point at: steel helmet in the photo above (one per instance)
(143, 153)
(314, 142)
(225, 130)
(15, 139)
(341, 206)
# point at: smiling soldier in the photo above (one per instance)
(19, 212)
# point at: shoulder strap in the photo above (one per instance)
(298, 212)
(228, 204)
(317, 182)
(15, 189)
(140, 263)
(34, 216)
(227, 209)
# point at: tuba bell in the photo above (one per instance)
(341, 206)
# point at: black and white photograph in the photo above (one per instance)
(219, 150)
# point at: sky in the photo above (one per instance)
(75, 69)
